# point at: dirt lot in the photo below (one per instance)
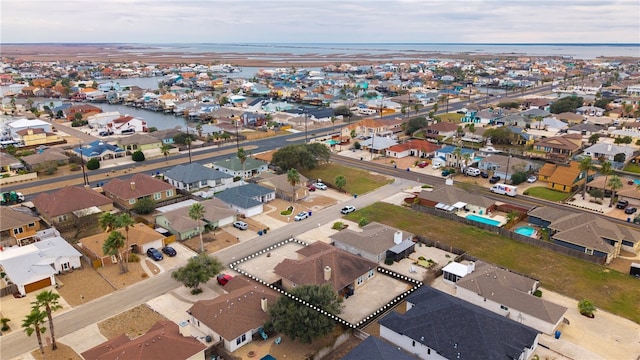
(63, 352)
(133, 322)
(82, 285)
(315, 201)
(212, 242)
(112, 274)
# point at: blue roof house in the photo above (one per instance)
(448, 154)
(99, 150)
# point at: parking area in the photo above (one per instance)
(168, 263)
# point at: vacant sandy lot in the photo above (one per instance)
(134, 322)
(83, 285)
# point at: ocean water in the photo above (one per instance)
(577, 51)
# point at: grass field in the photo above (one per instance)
(542, 192)
(608, 289)
(634, 168)
(358, 181)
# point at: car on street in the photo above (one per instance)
(622, 204)
(154, 254)
(445, 172)
(169, 251)
(320, 186)
(240, 225)
(223, 279)
(531, 179)
(494, 179)
(348, 209)
(630, 210)
(301, 216)
(105, 133)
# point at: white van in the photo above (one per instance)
(504, 189)
(471, 171)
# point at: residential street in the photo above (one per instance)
(18, 342)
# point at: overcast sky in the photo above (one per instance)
(325, 21)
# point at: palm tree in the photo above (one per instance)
(125, 221)
(293, 177)
(34, 323)
(165, 151)
(113, 247)
(242, 156)
(614, 184)
(466, 157)
(456, 153)
(340, 181)
(199, 129)
(49, 301)
(605, 169)
(196, 212)
(107, 221)
(585, 166)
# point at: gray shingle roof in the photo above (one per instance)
(373, 348)
(457, 329)
(194, 172)
(242, 196)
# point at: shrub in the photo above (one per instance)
(93, 164)
(425, 186)
(337, 225)
(4, 322)
(196, 291)
(388, 261)
(74, 167)
(137, 156)
(145, 206)
(537, 293)
(586, 308)
(357, 145)
(288, 211)
(518, 178)
(363, 222)
(133, 258)
(422, 258)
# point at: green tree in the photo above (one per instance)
(466, 157)
(302, 322)
(77, 116)
(586, 308)
(242, 156)
(301, 156)
(457, 152)
(199, 270)
(293, 177)
(415, 124)
(606, 169)
(340, 181)
(145, 206)
(614, 184)
(48, 301)
(34, 323)
(93, 164)
(585, 166)
(196, 212)
(113, 246)
(594, 138)
(566, 104)
(500, 135)
(5, 325)
(137, 156)
(165, 151)
(518, 178)
(184, 138)
(124, 221)
(107, 221)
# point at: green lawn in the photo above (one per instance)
(542, 192)
(634, 168)
(358, 181)
(608, 289)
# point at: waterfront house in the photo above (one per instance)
(99, 150)
(558, 147)
(127, 123)
(234, 167)
(194, 176)
(608, 151)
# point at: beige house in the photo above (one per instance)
(127, 192)
(70, 204)
(283, 187)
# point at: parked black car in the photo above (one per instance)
(154, 254)
(169, 251)
(494, 180)
(622, 204)
(630, 210)
(484, 175)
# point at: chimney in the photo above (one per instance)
(397, 237)
(471, 267)
(184, 329)
(133, 185)
(327, 273)
(263, 304)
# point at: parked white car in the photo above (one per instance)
(320, 186)
(301, 216)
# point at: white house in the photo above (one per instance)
(128, 123)
(34, 266)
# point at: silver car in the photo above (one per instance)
(240, 225)
(301, 216)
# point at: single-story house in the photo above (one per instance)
(283, 187)
(413, 147)
(140, 239)
(558, 146)
(389, 242)
(177, 220)
(378, 144)
(373, 348)
(234, 167)
(439, 326)
(247, 199)
(47, 156)
(165, 340)
(138, 141)
(234, 318)
(194, 176)
(320, 264)
(34, 266)
(455, 200)
(505, 165)
(70, 204)
(608, 151)
(99, 150)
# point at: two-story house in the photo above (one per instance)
(17, 228)
(127, 192)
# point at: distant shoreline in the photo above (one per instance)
(270, 55)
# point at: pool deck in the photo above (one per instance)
(501, 220)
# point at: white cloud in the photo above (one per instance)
(328, 21)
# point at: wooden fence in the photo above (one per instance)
(9, 290)
(512, 235)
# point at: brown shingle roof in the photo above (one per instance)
(345, 267)
(233, 314)
(12, 218)
(138, 185)
(67, 200)
(162, 341)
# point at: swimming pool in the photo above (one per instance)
(525, 230)
(483, 220)
(332, 142)
(636, 182)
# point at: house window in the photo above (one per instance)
(31, 225)
(504, 308)
(371, 273)
(241, 339)
(588, 251)
(360, 280)
(132, 201)
(17, 231)
(114, 259)
(169, 193)
(65, 266)
(157, 196)
(62, 218)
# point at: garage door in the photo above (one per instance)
(37, 285)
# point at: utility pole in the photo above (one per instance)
(188, 141)
(305, 126)
(85, 179)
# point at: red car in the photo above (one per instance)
(423, 164)
(312, 188)
(223, 279)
